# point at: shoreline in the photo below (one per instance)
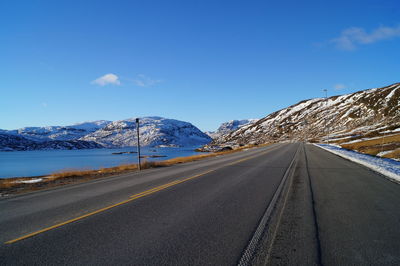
(41, 163)
(19, 185)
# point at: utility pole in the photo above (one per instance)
(326, 119)
(138, 144)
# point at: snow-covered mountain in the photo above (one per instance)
(73, 132)
(154, 131)
(230, 126)
(9, 142)
(373, 112)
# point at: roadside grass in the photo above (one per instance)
(376, 145)
(394, 154)
(202, 156)
(14, 185)
(69, 173)
(6, 183)
(371, 142)
(144, 165)
(346, 139)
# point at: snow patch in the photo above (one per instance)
(385, 166)
(30, 181)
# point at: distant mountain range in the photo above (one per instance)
(154, 131)
(50, 133)
(229, 126)
(10, 142)
(340, 119)
(349, 117)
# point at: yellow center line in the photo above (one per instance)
(131, 198)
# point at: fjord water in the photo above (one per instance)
(44, 162)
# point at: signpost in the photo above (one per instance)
(138, 144)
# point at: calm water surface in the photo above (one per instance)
(34, 163)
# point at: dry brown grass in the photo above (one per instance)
(14, 182)
(374, 146)
(101, 171)
(346, 139)
(200, 156)
(394, 154)
(5, 183)
(189, 158)
(372, 142)
(70, 173)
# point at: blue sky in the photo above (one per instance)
(205, 62)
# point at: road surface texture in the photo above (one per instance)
(285, 204)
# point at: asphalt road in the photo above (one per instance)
(206, 220)
(336, 213)
(358, 211)
(332, 212)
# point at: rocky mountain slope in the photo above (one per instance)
(229, 126)
(373, 113)
(9, 142)
(154, 131)
(99, 134)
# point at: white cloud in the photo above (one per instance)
(144, 81)
(352, 37)
(339, 86)
(107, 79)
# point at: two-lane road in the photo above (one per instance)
(206, 220)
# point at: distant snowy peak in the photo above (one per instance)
(59, 132)
(91, 126)
(154, 131)
(234, 124)
(230, 126)
(317, 118)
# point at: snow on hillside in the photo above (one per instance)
(387, 167)
(97, 134)
(91, 126)
(318, 119)
(9, 142)
(154, 131)
(230, 126)
(49, 133)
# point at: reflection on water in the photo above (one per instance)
(34, 163)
